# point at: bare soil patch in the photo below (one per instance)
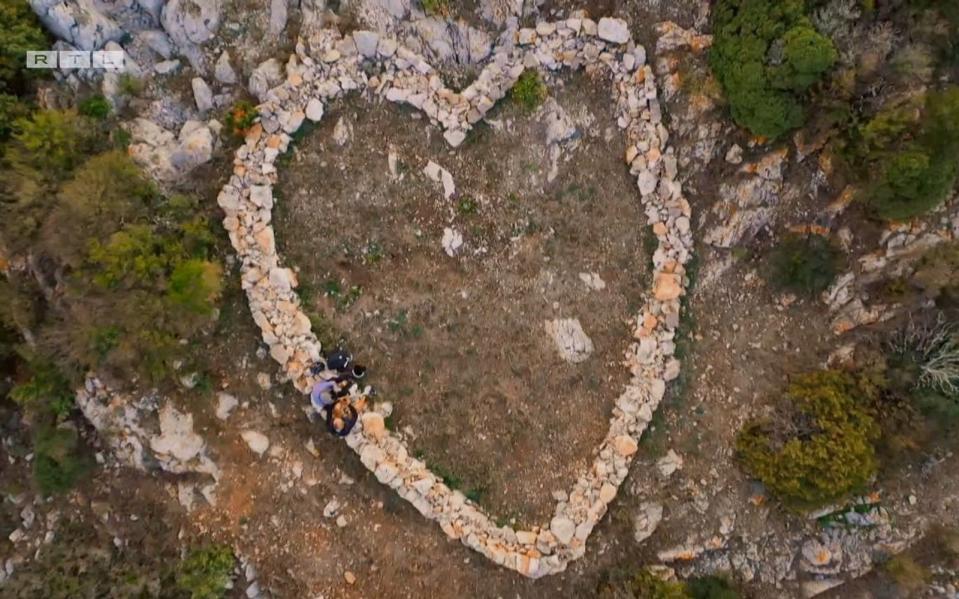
(458, 343)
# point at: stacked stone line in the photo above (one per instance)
(328, 66)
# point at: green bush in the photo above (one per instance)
(529, 91)
(240, 118)
(58, 461)
(83, 562)
(12, 109)
(821, 448)
(906, 572)
(47, 391)
(764, 55)
(95, 107)
(642, 585)
(21, 31)
(912, 183)
(195, 285)
(937, 272)
(806, 56)
(436, 7)
(52, 142)
(917, 169)
(805, 264)
(205, 573)
(712, 587)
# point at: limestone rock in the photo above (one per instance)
(648, 517)
(669, 463)
(202, 94)
(264, 77)
(191, 21)
(257, 441)
(342, 132)
(563, 529)
(177, 439)
(613, 30)
(452, 241)
(225, 404)
(223, 70)
(314, 110)
(278, 15)
(79, 23)
(572, 342)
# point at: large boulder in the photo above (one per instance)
(168, 157)
(191, 21)
(77, 22)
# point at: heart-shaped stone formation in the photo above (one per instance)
(329, 65)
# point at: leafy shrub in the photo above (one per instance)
(436, 7)
(58, 462)
(937, 272)
(12, 108)
(529, 91)
(129, 85)
(642, 585)
(21, 31)
(240, 118)
(205, 573)
(51, 141)
(916, 170)
(83, 562)
(820, 449)
(196, 285)
(95, 107)
(906, 572)
(764, 55)
(47, 391)
(804, 264)
(806, 56)
(711, 587)
(912, 182)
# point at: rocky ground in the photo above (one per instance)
(527, 241)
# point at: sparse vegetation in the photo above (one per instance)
(240, 118)
(819, 447)
(529, 91)
(206, 572)
(906, 572)
(95, 107)
(642, 584)
(436, 7)
(923, 364)
(804, 264)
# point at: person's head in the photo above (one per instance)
(359, 372)
(338, 424)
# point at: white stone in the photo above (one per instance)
(223, 70)
(563, 529)
(366, 43)
(669, 463)
(571, 341)
(257, 441)
(452, 241)
(646, 520)
(225, 405)
(613, 30)
(314, 110)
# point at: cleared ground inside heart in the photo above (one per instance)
(458, 344)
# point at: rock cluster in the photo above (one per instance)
(141, 434)
(167, 156)
(328, 65)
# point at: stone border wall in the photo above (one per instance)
(327, 66)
